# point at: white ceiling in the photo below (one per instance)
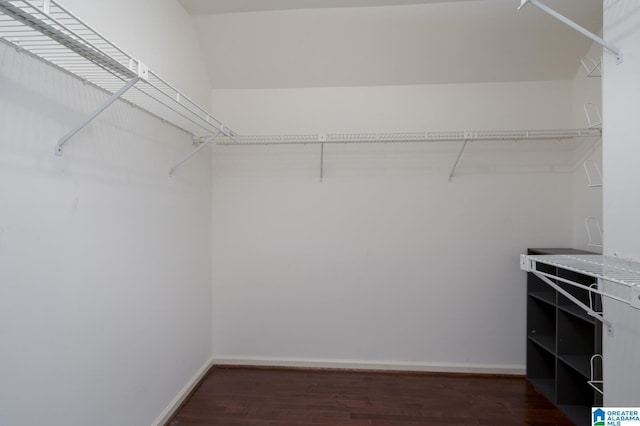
(208, 7)
(257, 44)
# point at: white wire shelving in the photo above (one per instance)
(453, 136)
(602, 268)
(50, 32)
(608, 268)
(408, 137)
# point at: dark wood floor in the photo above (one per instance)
(279, 397)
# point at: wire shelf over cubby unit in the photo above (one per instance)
(608, 268)
(51, 33)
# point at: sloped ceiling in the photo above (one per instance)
(255, 44)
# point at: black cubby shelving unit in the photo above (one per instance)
(561, 339)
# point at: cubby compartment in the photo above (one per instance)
(541, 324)
(576, 342)
(574, 395)
(540, 290)
(542, 371)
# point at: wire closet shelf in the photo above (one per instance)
(625, 273)
(51, 33)
(608, 268)
(453, 136)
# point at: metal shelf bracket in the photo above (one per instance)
(580, 29)
(575, 300)
(322, 137)
(591, 169)
(203, 144)
(529, 265)
(591, 111)
(467, 137)
(593, 227)
(591, 67)
(93, 115)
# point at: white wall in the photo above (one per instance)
(105, 278)
(397, 108)
(396, 45)
(385, 264)
(621, 103)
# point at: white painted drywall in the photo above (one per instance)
(621, 103)
(385, 263)
(105, 281)
(440, 42)
(397, 108)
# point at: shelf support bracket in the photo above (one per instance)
(569, 296)
(590, 107)
(588, 223)
(94, 114)
(580, 29)
(455, 164)
(208, 141)
(591, 69)
(590, 166)
(322, 138)
(321, 162)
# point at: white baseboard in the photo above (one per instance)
(182, 395)
(516, 370)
